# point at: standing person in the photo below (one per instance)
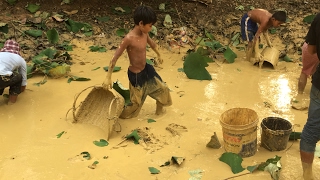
(13, 70)
(309, 65)
(311, 130)
(144, 80)
(254, 23)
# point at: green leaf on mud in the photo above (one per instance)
(309, 19)
(151, 120)
(274, 171)
(86, 155)
(11, 2)
(153, 170)
(273, 30)
(34, 33)
(295, 136)
(229, 55)
(60, 134)
(200, 41)
(124, 92)
(209, 35)
(194, 67)
(214, 45)
(177, 160)
(121, 32)
(76, 78)
(53, 36)
(166, 164)
(115, 69)
(202, 51)
(233, 160)
(135, 136)
(97, 49)
(149, 62)
(101, 143)
(103, 19)
(4, 28)
(74, 26)
(287, 59)
(33, 8)
(42, 82)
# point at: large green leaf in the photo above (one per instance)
(134, 135)
(34, 33)
(125, 93)
(229, 55)
(53, 36)
(233, 160)
(59, 71)
(194, 67)
(74, 26)
(309, 19)
(33, 8)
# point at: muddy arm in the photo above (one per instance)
(266, 35)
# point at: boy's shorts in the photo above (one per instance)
(14, 82)
(248, 28)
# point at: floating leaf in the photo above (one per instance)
(229, 55)
(194, 67)
(86, 155)
(60, 134)
(178, 160)
(115, 69)
(53, 36)
(93, 165)
(233, 160)
(103, 19)
(97, 49)
(76, 78)
(151, 120)
(135, 136)
(153, 170)
(95, 68)
(121, 32)
(34, 33)
(125, 93)
(165, 164)
(101, 143)
(33, 8)
(252, 168)
(60, 71)
(309, 19)
(196, 174)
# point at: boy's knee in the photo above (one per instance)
(307, 147)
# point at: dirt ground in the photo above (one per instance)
(31, 149)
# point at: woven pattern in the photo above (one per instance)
(102, 108)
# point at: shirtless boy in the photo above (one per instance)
(144, 80)
(251, 31)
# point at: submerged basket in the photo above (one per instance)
(102, 107)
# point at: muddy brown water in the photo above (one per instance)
(30, 148)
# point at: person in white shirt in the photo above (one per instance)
(13, 70)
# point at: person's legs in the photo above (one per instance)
(15, 87)
(310, 134)
(159, 91)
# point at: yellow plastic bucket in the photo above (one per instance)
(239, 128)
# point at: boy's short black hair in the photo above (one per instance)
(144, 14)
(280, 16)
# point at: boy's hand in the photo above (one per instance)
(258, 57)
(107, 84)
(158, 61)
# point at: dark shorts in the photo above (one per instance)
(14, 82)
(139, 79)
(248, 28)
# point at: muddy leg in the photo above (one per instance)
(307, 160)
(302, 83)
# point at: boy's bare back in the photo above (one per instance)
(260, 16)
